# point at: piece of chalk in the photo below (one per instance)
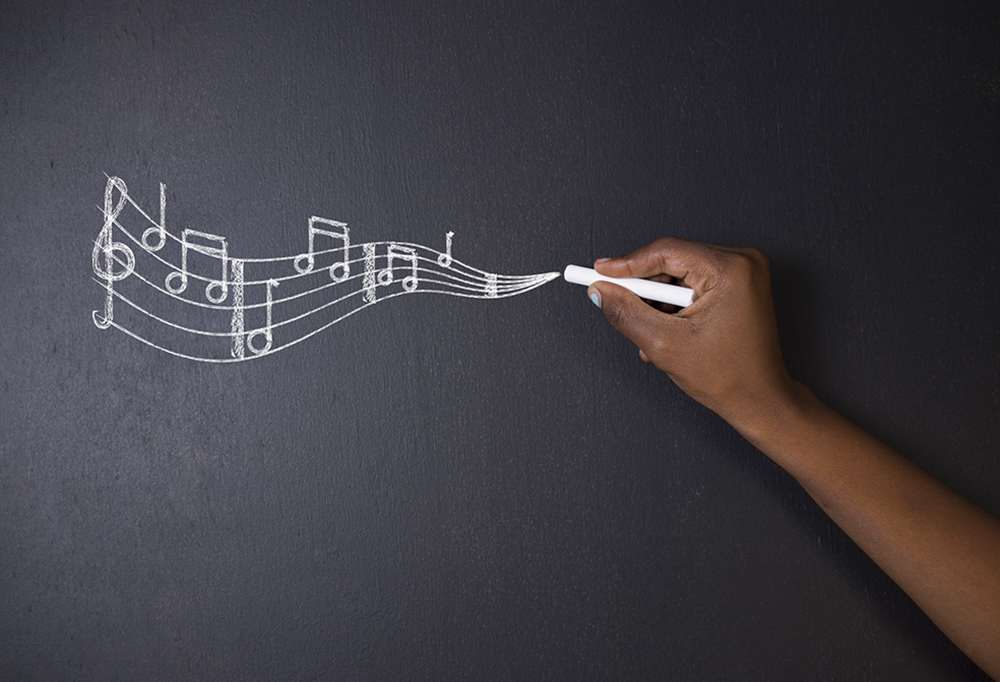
(643, 288)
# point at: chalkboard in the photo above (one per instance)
(489, 487)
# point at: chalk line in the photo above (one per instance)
(299, 296)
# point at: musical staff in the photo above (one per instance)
(260, 305)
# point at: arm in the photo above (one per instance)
(723, 351)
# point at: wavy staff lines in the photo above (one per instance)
(202, 332)
(296, 340)
(276, 259)
(478, 275)
(511, 285)
(388, 266)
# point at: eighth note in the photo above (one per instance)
(309, 257)
(220, 252)
(403, 253)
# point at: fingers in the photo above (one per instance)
(722, 350)
(645, 326)
(694, 263)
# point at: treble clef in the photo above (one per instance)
(112, 252)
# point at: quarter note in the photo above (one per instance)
(220, 252)
(266, 331)
(159, 230)
(341, 232)
(444, 260)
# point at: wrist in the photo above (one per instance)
(769, 418)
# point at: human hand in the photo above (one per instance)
(723, 349)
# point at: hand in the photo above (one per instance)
(723, 349)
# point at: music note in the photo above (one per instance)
(266, 331)
(444, 260)
(199, 329)
(106, 246)
(403, 253)
(220, 252)
(310, 256)
(160, 229)
(237, 321)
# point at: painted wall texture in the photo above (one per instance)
(445, 488)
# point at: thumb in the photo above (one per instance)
(644, 325)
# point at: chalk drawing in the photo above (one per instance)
(444, 260)
(105, 247)
(159, 230)
(309, 257)
(260, 305)
(220, 252)
(399, 252)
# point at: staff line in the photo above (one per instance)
(417, 268)
(435, 260)
(462, 284)
(286, 345)
(230, 334)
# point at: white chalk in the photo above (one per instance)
(252, 320)
(643, 288)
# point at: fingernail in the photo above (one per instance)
(595, 296)
(602, 260)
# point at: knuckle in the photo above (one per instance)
(655, 347)
(664, 243)
(759, 258)
(747, 264)
(655, 252)
(664, 247)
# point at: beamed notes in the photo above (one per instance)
(238, 309)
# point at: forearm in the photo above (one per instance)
(940, 548)
(723, 351)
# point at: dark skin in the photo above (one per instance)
(723, 351)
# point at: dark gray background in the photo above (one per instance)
(441, 488)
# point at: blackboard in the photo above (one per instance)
(448, 488)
